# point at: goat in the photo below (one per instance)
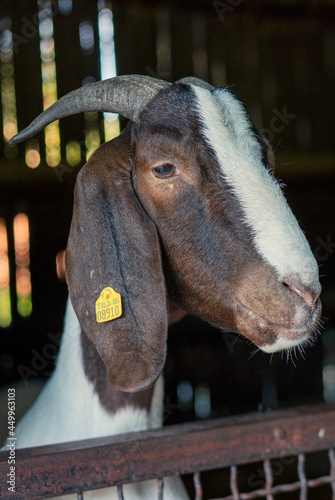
(179, 214)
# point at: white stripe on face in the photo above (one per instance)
(277, 235)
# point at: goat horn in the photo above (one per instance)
(192, 80)
(126, 95)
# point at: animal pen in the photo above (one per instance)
(276, 438)
(279, 454)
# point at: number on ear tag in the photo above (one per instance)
(108, 306)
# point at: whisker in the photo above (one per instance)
(288, 355)
(324, 320)
(237, 338)
(253, 353)
(291, 357)
(301, 350)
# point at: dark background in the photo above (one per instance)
(278, 57)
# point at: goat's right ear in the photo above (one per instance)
(113, 243)
(268, 154)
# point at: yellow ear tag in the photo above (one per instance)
(108, 306)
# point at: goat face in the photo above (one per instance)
(182, 209)
(233, 252)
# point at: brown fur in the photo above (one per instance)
(113, 243)
(168, 246)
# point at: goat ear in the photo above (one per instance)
(268, 154)
(113, 243)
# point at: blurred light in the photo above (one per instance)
(88, 80)
(8, 101)
(32, 157)
(92, 136)
(24, 306)
(185, 395)
(21, 229)
(202, 401)
(65, 7)
(104, 4)
(9, 128)
(86, 37)
(60, 265)
(73, 153)
(22, 260)
(4, 271)
(303, 132)
(111, 127)
(3, 237)
(46, 28)
(328, 375)
(199, 45)
(21, 235)
(23, 283)
(163, 43)
(107, 63)
(49, 80)
(5, 302)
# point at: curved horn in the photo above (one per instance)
(192, 80)
(126, 95)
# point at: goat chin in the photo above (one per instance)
(271, 337)
(283, 343)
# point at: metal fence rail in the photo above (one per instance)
(76, 467)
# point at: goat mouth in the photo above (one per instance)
(272, 337)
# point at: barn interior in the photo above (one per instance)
(278, 57)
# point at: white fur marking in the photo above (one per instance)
(68, 408)
(283, 343)
(277, 234)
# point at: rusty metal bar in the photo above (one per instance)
(160, 487)
(197, 486)
(302, 477)
(120, 492)
(331, 455)
(234, 483)
(80, 466)
(268, 478)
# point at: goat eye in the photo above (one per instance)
(164, 171)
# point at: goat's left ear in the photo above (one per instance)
(113, 243)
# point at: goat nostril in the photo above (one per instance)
(307, 295)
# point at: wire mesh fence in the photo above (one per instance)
(303, 485)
